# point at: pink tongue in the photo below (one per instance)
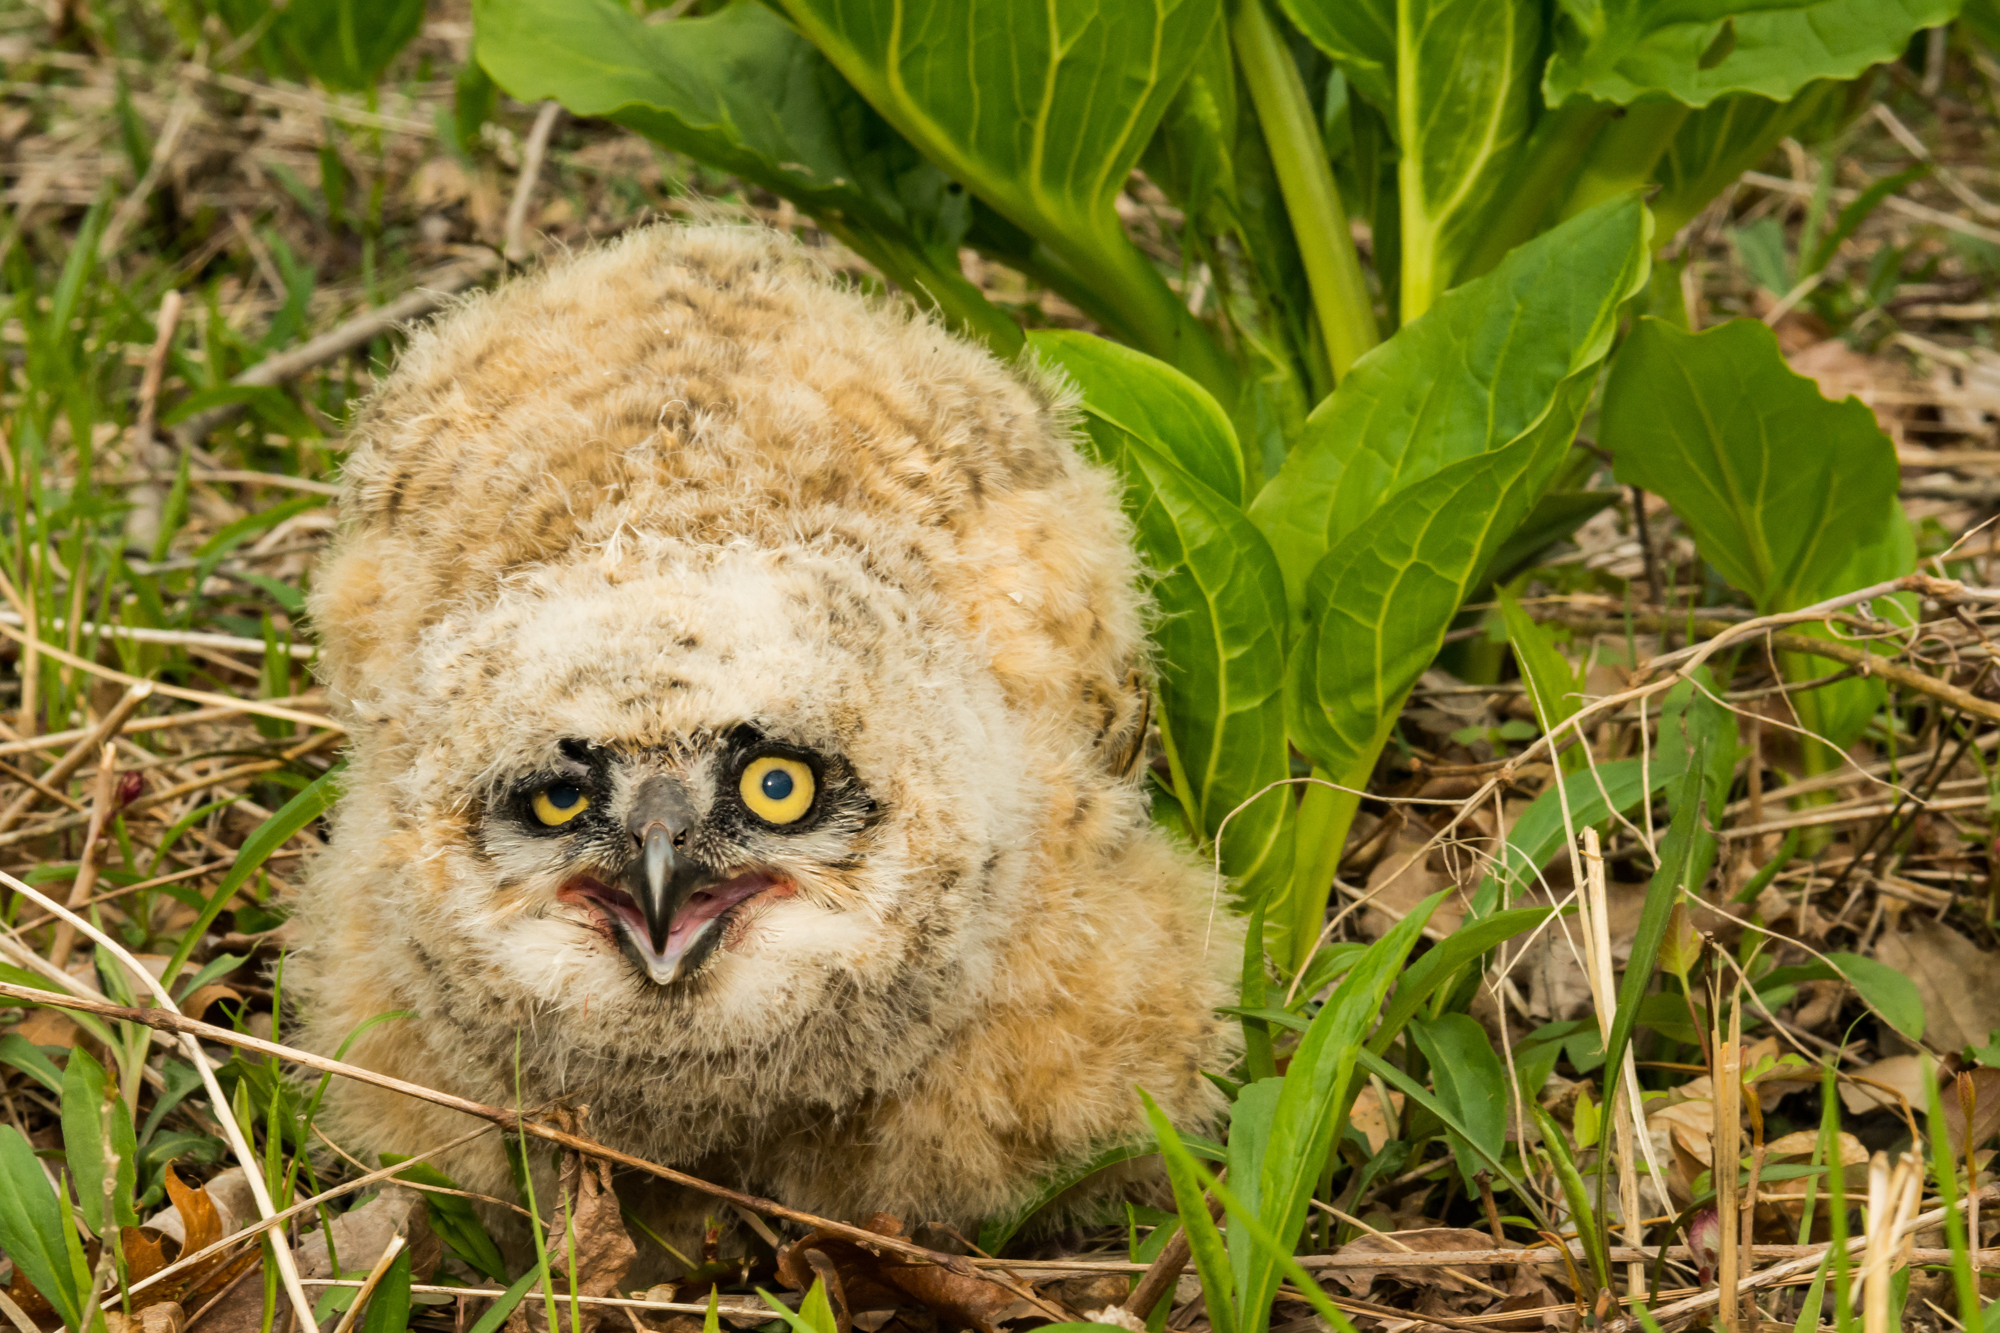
(707, 905)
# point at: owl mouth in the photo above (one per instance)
(697, 926)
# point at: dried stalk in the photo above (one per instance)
(101, 800)
(1725, 1147)
(64, 767)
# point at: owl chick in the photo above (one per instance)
(744, 682)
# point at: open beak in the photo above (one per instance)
(660, 879)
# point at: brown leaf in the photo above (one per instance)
(591, 1223)
(1877, 1086)
(1405, 876)
(1958, 981)
(1976, 1091)
(144, 1255)
(871, 1282)
(159, 1317)
(201, 1225)
(1430, 1240)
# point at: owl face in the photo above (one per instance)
(665, 846)
(701, 793)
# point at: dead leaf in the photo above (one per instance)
(870, 1281)
(1539, 1305)
(144, 1255)
(1781, 1203)
(160, 1317)
(197, 1222)
(1430, 1240)
(1981, 1089)
(1404, 877)
(1368, 1117)
(592, 1223)
(1958, 981)
(197, 1004)
(46, 1027)
(1877, 1086)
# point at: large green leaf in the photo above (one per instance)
(1378, 603)
(1779, 486)
(88, 1109)
(1471, 1083)
(1221, 627)
(741, 90)
(1724, 139)
(1698, 50)
(1148, 398)
(1311, 1102)
(1792, 498)
(1505, 358)
(1042, 111)
(1465, 91)
(1359, 36)
(32, 1226)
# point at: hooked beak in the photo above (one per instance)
(660, 879)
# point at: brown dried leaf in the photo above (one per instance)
(201, 1224)
(1981, 1088)
(872, 1282)
(1959, 981)
(1404, 877)
(1878, 1085)
(144, 1255)
(593, 1225)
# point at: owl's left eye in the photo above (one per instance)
(559, 802)
(776, 789)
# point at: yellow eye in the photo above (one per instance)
(559, 803)
(777, 790)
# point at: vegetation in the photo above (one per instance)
(1653, 763)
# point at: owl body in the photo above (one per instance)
(744, 684)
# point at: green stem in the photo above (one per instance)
(1325, 815)
(1558, 143)
(1624, 155)
(1162, 324)
(1305, 180)
(961, 304)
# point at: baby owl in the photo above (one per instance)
(744, 679)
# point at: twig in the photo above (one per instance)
(369, 1283)
(178, 638)
(1806, 1265)
(1894, 203)
(433, 292)
(257, 706)
(163, 151)
(515, 246)
(86, 869)
(60, 773)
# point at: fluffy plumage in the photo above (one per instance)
(670, 503)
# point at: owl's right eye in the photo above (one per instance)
(558, 803)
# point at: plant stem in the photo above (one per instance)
(1305, 180)
(1623, 157)
(1558, 143)
(961, 304)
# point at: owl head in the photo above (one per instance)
(735, 661)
